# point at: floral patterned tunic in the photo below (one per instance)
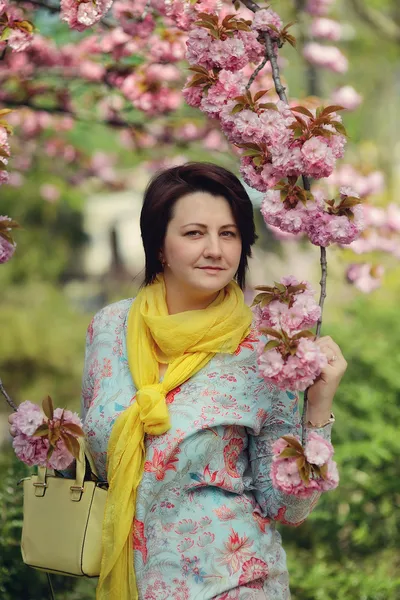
(205, 523)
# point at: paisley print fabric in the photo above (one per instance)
(206, 514)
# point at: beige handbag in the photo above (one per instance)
(62, 521)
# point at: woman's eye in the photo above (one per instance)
(192, 232)
(229, 233)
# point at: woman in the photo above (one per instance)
(191, 512)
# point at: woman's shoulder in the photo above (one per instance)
(109, 316)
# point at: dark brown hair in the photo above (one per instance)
(167, 186)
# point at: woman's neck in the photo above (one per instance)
(179, 300)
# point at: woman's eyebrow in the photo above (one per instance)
(205, 226)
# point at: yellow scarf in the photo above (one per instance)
(188, 341)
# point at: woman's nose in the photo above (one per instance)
(213, 247)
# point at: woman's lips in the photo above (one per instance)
(211, 269)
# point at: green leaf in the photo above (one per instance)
(280, 286)
(5, 34)
(269, 106)
(340, 128)
(288, 453)
(271, 345)
(41, 431)
(237, 109)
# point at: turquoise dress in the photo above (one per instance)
(206, 514)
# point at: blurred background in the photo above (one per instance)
(82, 154)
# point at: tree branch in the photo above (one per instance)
(384, 26)
(280, 90)
(7, 397)
(256, 72)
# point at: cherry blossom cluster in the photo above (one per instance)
(382, 234)
(7, 244)
(365, 277)
(327, 56)
(324, 221)
(47, 437)
(303, 471)
(290, 359)
(16, 31)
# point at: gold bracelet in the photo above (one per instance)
(320, 425)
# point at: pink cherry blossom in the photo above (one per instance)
(19, 40)
(295, 372)
(293, 220)
(193, 95)
(264, 18)
(347, 97)
(228, 86)
(7, 248)
(260, 178)
(31, 451)
(327, 29)
(27, 418)
(49, 192)
(318, 7)
(318, 451)
(332, 480)
(365, 277)
(328, 57)
(80, 15)
(278, 446)
(318, 158)
(61, 458)
(285, 473)
(363, 184)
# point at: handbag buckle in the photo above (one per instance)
(40, 488)
(77, 488)
(76, 492)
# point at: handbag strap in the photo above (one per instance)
(51, 591)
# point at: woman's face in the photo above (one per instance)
(202, 245)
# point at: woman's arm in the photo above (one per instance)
(283, 419)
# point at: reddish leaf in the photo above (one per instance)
(260, 94)
(48, 408)
(74, 429)
(271, 332)
(330, 109)
(73, 445)
(303, 110)
(292, 441)
(304, 334)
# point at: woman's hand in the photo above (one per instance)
(322, 392)
(11, 428)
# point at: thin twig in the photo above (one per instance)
(256, 72)
(322, 283)
(7, 397)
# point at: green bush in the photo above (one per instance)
(349, 548)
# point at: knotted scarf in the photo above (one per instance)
(187, 341)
